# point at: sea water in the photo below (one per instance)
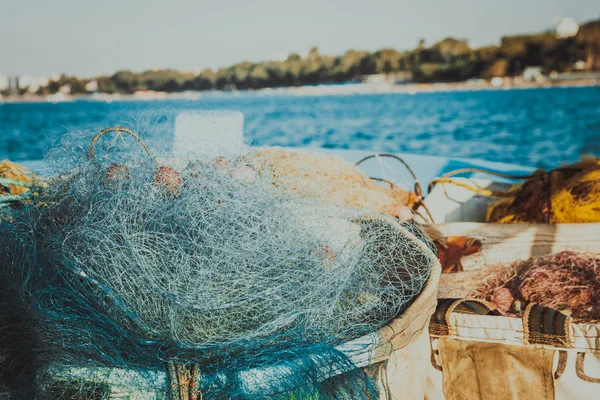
(532, 127)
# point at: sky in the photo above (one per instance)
(89, 38)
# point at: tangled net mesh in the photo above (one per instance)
(210, 282)
(566, 281)
(331, 178)
(569, 194)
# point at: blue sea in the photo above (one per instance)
(531, 127)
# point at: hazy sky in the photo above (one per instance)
(46, 37)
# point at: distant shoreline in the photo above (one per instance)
(313, 90)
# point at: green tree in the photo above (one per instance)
(125, 81)
(447, 60)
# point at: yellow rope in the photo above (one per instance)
(16, 183)
(476, 189)
(131, 133)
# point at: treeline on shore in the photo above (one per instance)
(449, 60)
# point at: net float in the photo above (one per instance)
(169, 179)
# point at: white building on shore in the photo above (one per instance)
(92, 86)
(32, 83)
(3, 82)
(533, 74)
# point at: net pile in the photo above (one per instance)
(15, 183)
(211, 282)
(569, 194)
(565, 281)
(333, 179)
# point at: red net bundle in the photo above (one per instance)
(565, 281)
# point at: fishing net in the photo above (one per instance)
(15, 183)
(129, 278)
(565, 281)
(568, 194)
(333, 179)
(577, 198)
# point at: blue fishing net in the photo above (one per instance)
(135, 279)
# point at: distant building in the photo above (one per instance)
(3, 82)
(394, 77)
(91, 86)
(22, 83)
(374, 78)
(402, 77)
(65, 89)
(476, 82)
(13, 84)
(58, 97)
(149, 94)
(566, 27)
(580, 65)
(574, 76)
(32, 83)
(531, 74)
(497, 81)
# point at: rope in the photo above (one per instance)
(418, 190)
(5, 200)
(131, 133)
(417, 187)
(476, 189)
(483, 192)
(184, 381)
(487, 172)
(5, 182)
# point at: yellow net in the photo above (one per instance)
(16, 184)
(578, 200)
(569, 194)
(10, 171)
